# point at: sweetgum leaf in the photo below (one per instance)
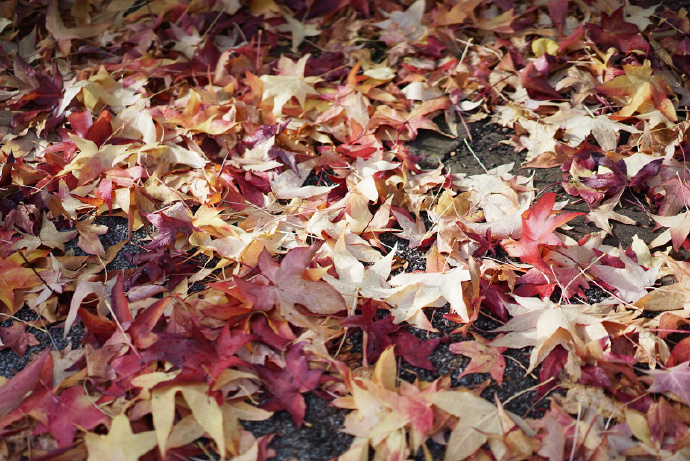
(538, 226)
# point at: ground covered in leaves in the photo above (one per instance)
(365, 230)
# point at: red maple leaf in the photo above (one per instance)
(483, 358)
(16, 389)
(196, 356)
(17, 338)
(98, 131)
(538, 226)
(287, 385)
(381, 334)
(616, 32)
(42, 93)
(168, 227)
(71, 409)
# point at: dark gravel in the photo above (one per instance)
(11, 362)
(317, 440)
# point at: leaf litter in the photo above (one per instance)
(282, 242)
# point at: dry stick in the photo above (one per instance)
(467, 47)
(608, 420)
(475, 156)
(119, 325)
(45, 330)
(92, 401)
(462, 119)
(589, 429)
(576, 434)
(258, 52)
(524, 391)
(524, 415)
(523, 367)
(36, 272)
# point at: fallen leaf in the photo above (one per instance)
(640, 91)
(538, 226)
(673, 379)
(545, 325)
(120, 444)
(17, 338)
(204, 407)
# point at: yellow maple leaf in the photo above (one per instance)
(291, 83)
(120, 444)
(205, 410)
(640, 92)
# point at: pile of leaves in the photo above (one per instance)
(261, 150)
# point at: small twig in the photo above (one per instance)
(475, 156)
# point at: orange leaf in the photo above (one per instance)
(15, 277)
(640, 91)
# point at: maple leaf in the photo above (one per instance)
(578, 125)
(457, 14)
(615, 31)
(98, 131)
(49, 236)
(39, 92)
(677, 196)
(408, 23)
(410, 123)
(71, 411)
(545, 325)
(640, 91)
(92, 160)
(287, 287)
(20, 385)
(604, 212)
(538, 228)
(422, 289)
(677, 232)
(413, 231)
(483, 358)
(15, 277)
(593, 175)
(376, 333)
(480, 423)
(198, 357)
(282, 88)
(631, 281)
(674, 379)
(205, 410)
(502, 202)
(171, 221)
(354, 280)
(385, 412)
(141, 327)
(380, 334)
(120, 444)
(101, 289)
(88, 236)
(16, 338)
(287, 385)
(535, 82)
(670, 297)
(65, 35)
(299, 29)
